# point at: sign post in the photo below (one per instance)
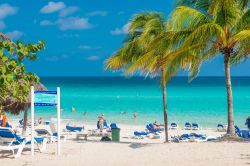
(58, 122)
(45, 98)
(32, 120)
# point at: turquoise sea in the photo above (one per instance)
(203, 100)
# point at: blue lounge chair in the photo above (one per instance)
(105, 125)
(137, 133)
(73, 129)
(188, 126)
(195, 126)
(174, 125)
(242, 133)
(151, 129)
(221, 127)
(193, 137)
(11, 141)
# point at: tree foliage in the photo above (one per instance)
(15, 82)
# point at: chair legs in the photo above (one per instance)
(19, 151)
(43, 144)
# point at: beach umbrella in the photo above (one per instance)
(12, 106)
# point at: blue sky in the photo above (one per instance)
(81, 34)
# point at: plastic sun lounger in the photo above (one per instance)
(74, 129)
(139, 135)
(52, 137)
(82, 134)
(7, 135)
(173, 125)
(105, 125)
(193, 137)
(195, 126)
(54, 133)
(242, 133)
(149, 127)
(221, 127)
(10, 141)
(188, 126)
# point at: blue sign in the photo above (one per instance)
(45, 98)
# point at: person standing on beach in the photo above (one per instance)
(3, 118)
(101, 121)
(248, 122)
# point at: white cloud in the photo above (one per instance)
(121, 13)
(56, 58)
(46, 23)
(2, 25)
(15, 35)
(52, 7)
(73, 23)
(69, 36)
(68, 11)
(7, 10)
(119, 31)
(85, 47)
(98, 13)
(93, 58)
(70, 23)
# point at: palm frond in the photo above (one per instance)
(205, 32)
(225, 12)
(242, 35)
(243, 22)
(241, 53)
(183, 18)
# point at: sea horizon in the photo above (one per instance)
(202, 101)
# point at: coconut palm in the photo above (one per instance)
(218, 26)
(148, 40)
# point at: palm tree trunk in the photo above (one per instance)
(230, 128)
(164, 97)
(25, 119)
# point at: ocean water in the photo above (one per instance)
(202, 101)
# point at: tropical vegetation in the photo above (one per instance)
(219, 27)
(148, 41)
(15, 82)
(196, 31)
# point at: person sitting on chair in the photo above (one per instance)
(248, 122)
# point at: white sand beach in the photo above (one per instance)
(136, 151)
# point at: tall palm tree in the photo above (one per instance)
(218, 26)
(148, 40)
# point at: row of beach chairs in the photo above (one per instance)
(187, 126)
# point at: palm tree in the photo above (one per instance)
(148, 40)
(218, 26)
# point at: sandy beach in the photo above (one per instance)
(136, 151)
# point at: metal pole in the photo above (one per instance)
(58, 122)
(32, 120)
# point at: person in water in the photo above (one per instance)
(73, 109)
(248, 122)
(135, 115)
(122, 112)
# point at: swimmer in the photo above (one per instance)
(122, 112)
(73, 109)
(135, 115)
